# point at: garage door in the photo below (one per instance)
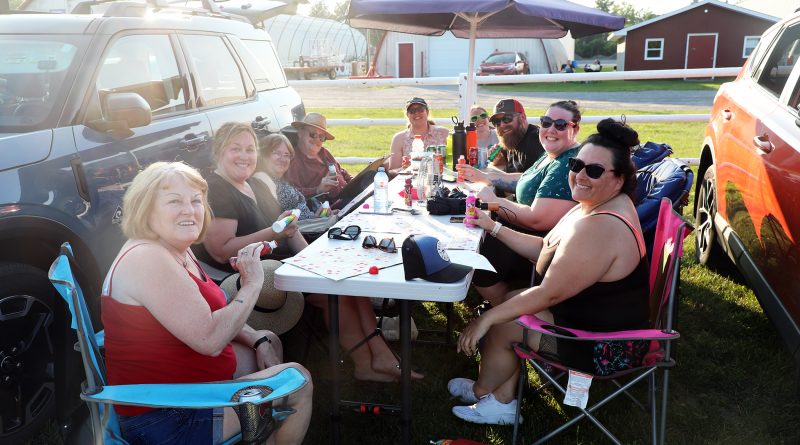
(449, 56)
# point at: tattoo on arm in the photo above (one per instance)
(239, 300)
(504, 185)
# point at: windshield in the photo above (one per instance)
(33, 70)
(501, 58)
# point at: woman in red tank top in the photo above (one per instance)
(167, 322)
(595, 247)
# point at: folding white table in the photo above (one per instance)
(390, 282)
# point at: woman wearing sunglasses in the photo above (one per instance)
(420, 123)
(244, 210)
(591, 274)
(542, 198)
(314, 170)
(487, 137)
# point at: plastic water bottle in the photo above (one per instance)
(424, 179)
(380, 194)
(471, 212)
(418, 145)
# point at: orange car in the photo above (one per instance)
(748, 203)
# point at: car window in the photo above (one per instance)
(217, 76)
(262, 63)
(33, 72)
(778, 64)
(146, 65)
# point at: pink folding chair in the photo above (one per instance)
(670, 232)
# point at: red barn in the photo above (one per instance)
(704, 34)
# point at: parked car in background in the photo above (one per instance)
(504, 63)
(86, 102)
(747, 204)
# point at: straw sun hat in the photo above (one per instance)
(275, 310)
(315, 121)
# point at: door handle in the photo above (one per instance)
(763, 143)
(192, 142)
(727, 114)
(80, 179)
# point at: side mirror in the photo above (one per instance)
(124, 111)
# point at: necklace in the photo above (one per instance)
(180, 259)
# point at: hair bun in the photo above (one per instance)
(618, 131)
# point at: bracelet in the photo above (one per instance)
(261, 340)
(495, 229)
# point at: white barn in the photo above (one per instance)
(447, 56)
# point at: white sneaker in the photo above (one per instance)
(462, 388)
(488, 411)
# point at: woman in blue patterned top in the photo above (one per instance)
(543, 197)
(276, 155)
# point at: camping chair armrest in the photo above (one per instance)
(535, 323)
(197, 395)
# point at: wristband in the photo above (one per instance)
(261, 340)
(495, 229)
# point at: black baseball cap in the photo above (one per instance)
(416, 100)
(425, 257)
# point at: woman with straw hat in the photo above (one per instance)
(314, 170)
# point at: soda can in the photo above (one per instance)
(472, 157)
(483, 158)
(406, 162)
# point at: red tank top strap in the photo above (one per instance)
(636, 234)
(114, 267)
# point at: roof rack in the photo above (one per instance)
(126, 8)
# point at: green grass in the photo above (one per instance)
(374, 141)
(734, 382)
(610, 86)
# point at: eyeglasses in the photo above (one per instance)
(560, 124)
(479, 117)
(506, 119)
(287, 156)
(415, 110)
(320, 136)
(349, 233)
(594, 171)
(387, 244)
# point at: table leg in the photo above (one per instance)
(333, 352)
(405, 371)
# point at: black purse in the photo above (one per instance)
(447, 202)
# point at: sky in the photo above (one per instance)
(778, 8)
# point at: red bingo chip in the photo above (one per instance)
(373, 270)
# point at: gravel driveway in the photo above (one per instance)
(446, 97)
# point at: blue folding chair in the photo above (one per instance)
(244, 396)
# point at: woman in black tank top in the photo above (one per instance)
(591, 274)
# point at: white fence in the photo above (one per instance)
(461, 81)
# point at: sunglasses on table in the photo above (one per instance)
(478, 117)
(506, 119)
(387, 244)
(560, 124)
(349, 233)
(320, 136)
(593, 171)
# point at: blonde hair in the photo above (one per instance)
(228, 131)
(137, 204)
(476, 108)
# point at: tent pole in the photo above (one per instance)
(472, 93)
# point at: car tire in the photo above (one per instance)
(707, 248)
(27, 324)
